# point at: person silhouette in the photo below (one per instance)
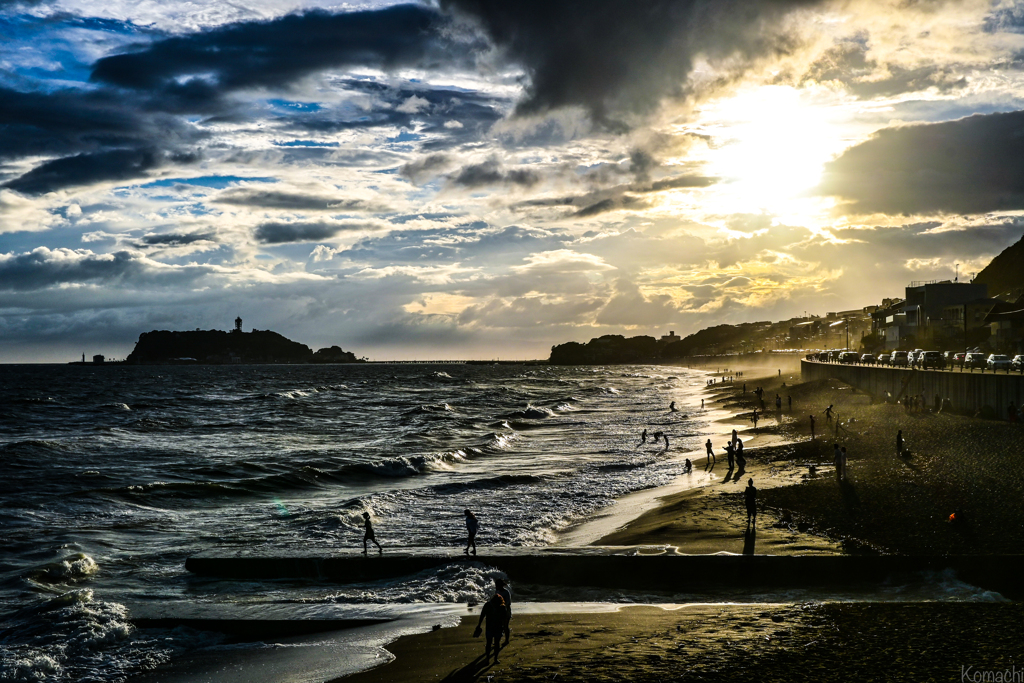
(812, 428)
(472, 526)
(368, 535)
(730, 451)
(750, 500)
(711, 455)
(672, 407)
(501, 588)
(496, 614)
(643, 439)
(899, 443)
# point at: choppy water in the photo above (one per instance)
(111, 476)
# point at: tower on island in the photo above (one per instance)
(238, 325)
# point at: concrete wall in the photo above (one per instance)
(968, 391)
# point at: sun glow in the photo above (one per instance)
(768, 147)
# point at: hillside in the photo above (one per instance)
(1004, 275)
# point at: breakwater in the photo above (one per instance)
(628, 568)
(969, 392)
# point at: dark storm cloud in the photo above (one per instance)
(283, 233)
(84, 169)
(277, 52)
(847, 63)
(173, 239)
(427, 167)
(493, 172)
(43, 268)
(67, 122)
(294, 201)
(621, 196)
(609, 55)
(973, 165)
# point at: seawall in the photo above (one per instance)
(968, 391)
(615, 567)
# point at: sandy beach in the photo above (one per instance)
(851, 641)
(886, 505)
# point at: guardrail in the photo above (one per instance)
(968, 392)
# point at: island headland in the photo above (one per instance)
(217, 347)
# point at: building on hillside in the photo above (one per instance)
(98, 359)
(805, 330)
(960, 319)
(922, 317)
(1007, 330)
(669, 338)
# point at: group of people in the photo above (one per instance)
(472, 526)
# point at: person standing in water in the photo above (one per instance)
(672, 407)
(643, 439)
(750, 500)
(711, 455)
(368, 535)
(472, 526)
(812, 428)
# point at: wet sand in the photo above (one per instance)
(839, 641)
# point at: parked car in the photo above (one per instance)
(867, 359)
(931, 359)
(998, 362)
(959, 358)
(1017, 363)
(948, 357)
(884, 359)
(899, 359)
(848, 357)
(914, 357)
(975, 360)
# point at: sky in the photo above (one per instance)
(484, 179)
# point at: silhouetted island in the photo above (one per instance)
(220, 347)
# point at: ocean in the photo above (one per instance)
(111, 476)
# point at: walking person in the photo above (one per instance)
(828, 413)
(730, 451)
(754, 419)
(501, 588)
(368, 534)
(750, 500)
(496, 614)
(790, 399)
(643, 439)
(472, 526)
(741, 462)
(778, 403)
(711, 455)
